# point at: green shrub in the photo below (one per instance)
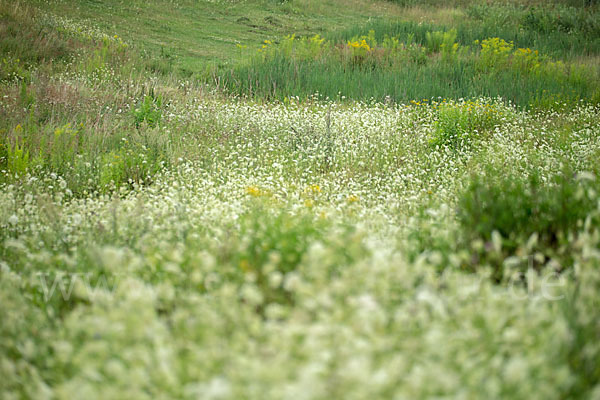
(84, 160)
(12, 69)
(149, 110)
(527, 60)
(101, 60)
(62, 150)
(569, 20)
(438, 40)
(459, 124)
(495, 53)
(508, 211)
(17, 158)
(132, 163)
(14, 153)
(26, 96)
(291, 47)
(274, 245)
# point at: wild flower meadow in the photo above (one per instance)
(161, 238)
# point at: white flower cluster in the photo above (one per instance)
(270, 264)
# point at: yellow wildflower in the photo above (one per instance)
(253, 191)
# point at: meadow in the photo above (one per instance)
(277, 199)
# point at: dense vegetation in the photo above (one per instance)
(337, 206)
(529, 56)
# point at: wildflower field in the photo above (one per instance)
(384, 210)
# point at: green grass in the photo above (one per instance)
(188, 35)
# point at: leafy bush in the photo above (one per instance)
(527, 60)
(17, 158)
(131, 163)
(149, 110)
(495, 53)
(291, 47)
(563, 19)
(14, 153)
(273, 246)
(459, 124)
(12, 69)
(439, 40)
(62, 150)
(507, 211)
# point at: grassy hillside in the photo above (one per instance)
(190, 35)
(184, 218)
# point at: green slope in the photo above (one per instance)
(192, 35)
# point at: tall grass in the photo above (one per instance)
(405, 60)
(516, 25)
(418, 68)
(74, 106)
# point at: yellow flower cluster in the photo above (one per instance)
(353, 198)
(495, 45)
(254, 191)
(314, 188)
(527, 59)
(526, 52)
(359, 45)
(266, 44)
